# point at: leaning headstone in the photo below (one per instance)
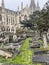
(5, 54)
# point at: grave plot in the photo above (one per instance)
(12, 48)
(35, 46)
(41, 56)
(4, 38)
(5, 54)
(40, 52)
(34, 43)
(13, 44)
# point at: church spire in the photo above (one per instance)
(38, 7)
(33, 5)
(18, 10)
(2, 3)
(21, 5)
(26, 5)
(3, 7)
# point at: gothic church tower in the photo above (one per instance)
(3, 6)
(2, 3)
(38, 7)
(32, 6)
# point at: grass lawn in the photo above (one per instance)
(25, 57)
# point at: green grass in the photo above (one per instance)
(25, 57)
(26, 54)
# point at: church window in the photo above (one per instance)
(8, 29)
(13, 21)
(3, 29)
(12, 29)
(7, 20)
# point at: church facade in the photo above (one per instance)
(10, 20)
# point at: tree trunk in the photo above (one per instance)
(45, 40)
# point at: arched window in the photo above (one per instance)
(3, 28)
(13, 21)
(8, 29)
(12, 29)
(7, 19)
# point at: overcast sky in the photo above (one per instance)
(13, 4)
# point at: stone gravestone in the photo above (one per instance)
(41, 56)
(37, 35)
(14, 38)
(35, 43)
(24, 35)
(45, 40)
(41, 59)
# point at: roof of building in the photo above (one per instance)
(8, 10)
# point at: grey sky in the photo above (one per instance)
(13, 4)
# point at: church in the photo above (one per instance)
(10, 20)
